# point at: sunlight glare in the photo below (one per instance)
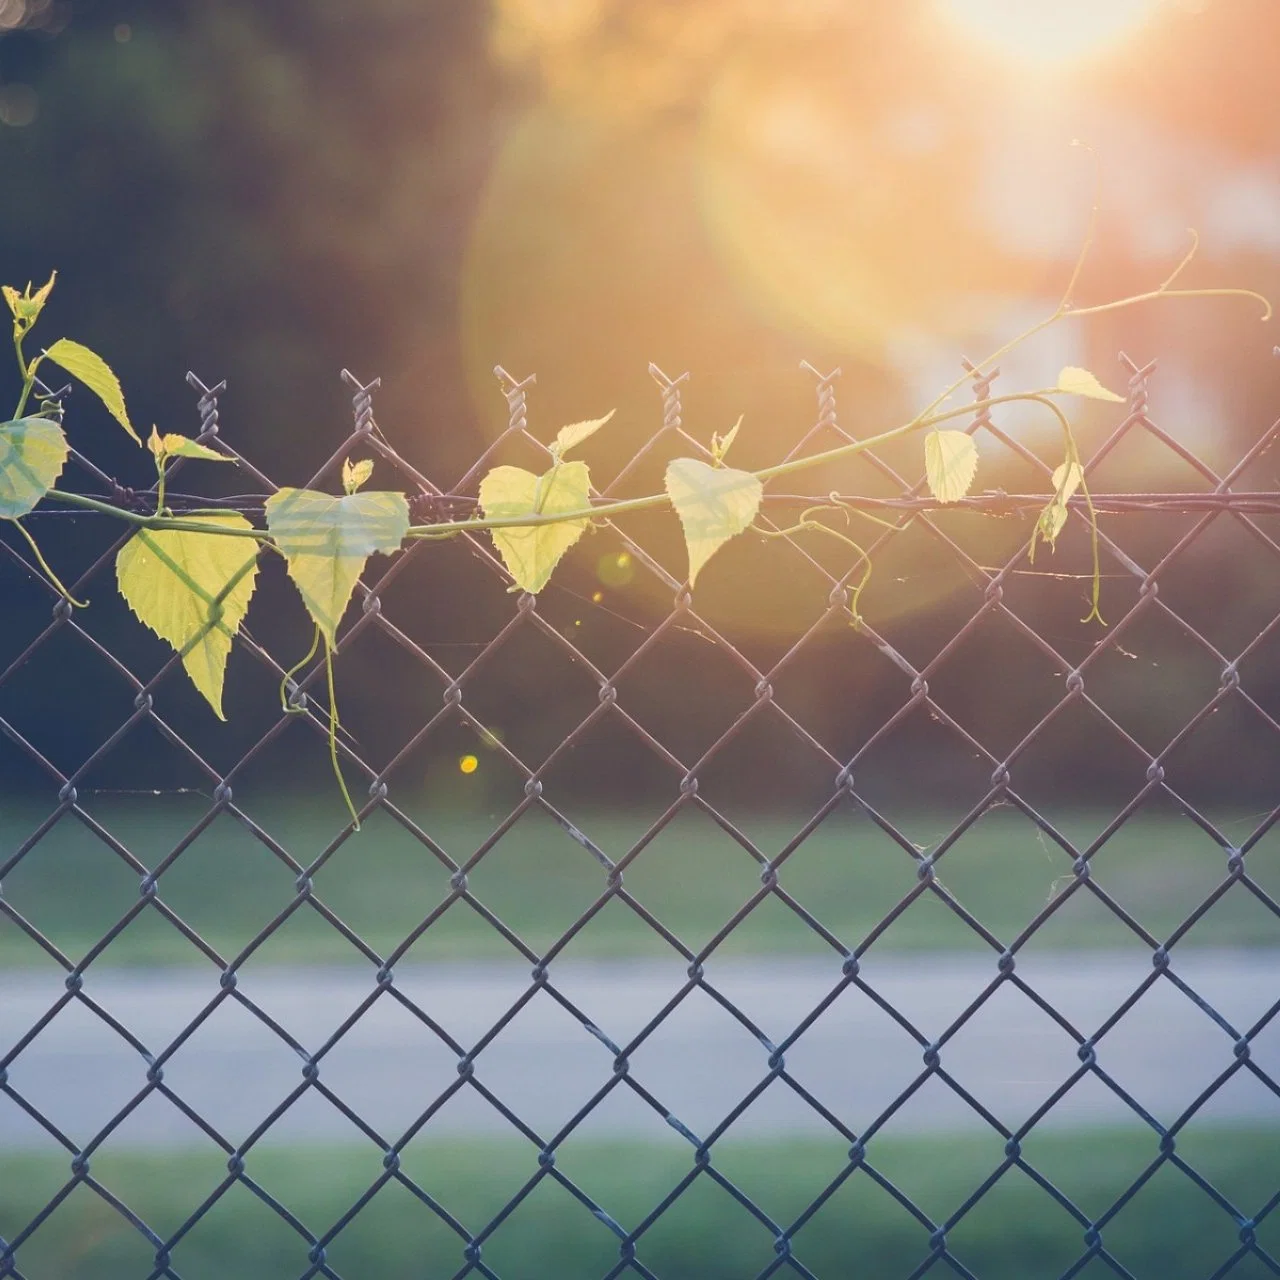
(1050, 33)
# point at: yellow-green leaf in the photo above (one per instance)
(192, 589)
(326, 542)
(176, 446)
(354, 474)
(576, 432)
(26, 306)
(950, 462)
(532, 553)
(95, 373)
(1080, 382)
(32, 454)
(721, 444)
(1067, 478)
(714, 504)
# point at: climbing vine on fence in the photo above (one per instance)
(190, 577)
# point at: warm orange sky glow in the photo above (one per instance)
(1050, 33)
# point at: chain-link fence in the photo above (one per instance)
(962, 864)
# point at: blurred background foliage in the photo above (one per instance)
(420, 190)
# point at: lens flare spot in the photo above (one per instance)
(19, 105)
(615, 569)
(468, 764)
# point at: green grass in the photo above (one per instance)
(1170, 1230)
(693, 877)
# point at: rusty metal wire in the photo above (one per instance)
(907, 509)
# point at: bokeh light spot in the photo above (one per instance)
(468, 764)
(18, 105)
(615, 569)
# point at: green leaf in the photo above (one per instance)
(576, 432)
(531, 554)
(721, 444)
(96, 374)
(1080, 382)
(714, 504)
(32, 454)
(355, 474)
(26, 306)
(1051, 523)
(176, 446)
(950, 461)
(1067, 478)
(192, 589)
(326, 542)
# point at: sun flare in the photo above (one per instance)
(1050, 33)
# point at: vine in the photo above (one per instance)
(190, 577)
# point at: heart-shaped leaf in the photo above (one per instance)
(950, 462)
(32, 454)
(714, 504)
(193, 590)
(326, 542)
(532, 553)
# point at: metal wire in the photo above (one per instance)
(909, 508)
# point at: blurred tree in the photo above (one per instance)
(265, 193)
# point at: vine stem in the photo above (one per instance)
(44, 564)
(334, 725)
(152, 521)
(607, 510)
(927, 418)
(601, 512)
(28, 371)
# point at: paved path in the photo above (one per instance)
(700, 1063)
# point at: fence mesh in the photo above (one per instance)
(750, 709)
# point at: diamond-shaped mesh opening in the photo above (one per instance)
(1204, 1238)
(860, 1218)
(394, 1232)
(1208, 587)
(1048, 1241)
(241, 1231)
(549, 1224)
(1254, 743)
(684, 935)
(679, 1240)
(87, 1236)
(734, 781)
